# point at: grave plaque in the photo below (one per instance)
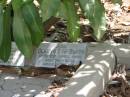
(15, 59)
(55, 54)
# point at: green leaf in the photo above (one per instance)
(3, 2)
(95, 12)
(49, 8)
(61, 13)
(22, 35)
(34, 22)
(1, 24)
(17, 4)
(73, 27)
(5, 48)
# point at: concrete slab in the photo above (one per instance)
(1, 82)
(6, 94)
(23, 95)
(10, 78)
(44, 83)
(27, 91)
(17, 86)
(122, 52)
(42, 94)
(10, 86)
(32, 89)
(90, 78)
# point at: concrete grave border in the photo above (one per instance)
(91, 77)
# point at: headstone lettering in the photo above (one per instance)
(55, 54)
(50, 55)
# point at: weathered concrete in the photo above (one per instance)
(90, 78)
(15, 86)
(55, 54)
(6, 93)
(35, 81)
(88, 81)
(122, 52)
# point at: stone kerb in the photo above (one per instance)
(90, 78)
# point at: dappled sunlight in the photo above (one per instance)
(16, 56)
(124, 50)
(32, 91)
(18, 59)
(100, 63)
(16, 95)
(115, 44)
(25, 94)
(108, 51)
(23, 86)
(29, 77)
(28, 95)
(84, 73)
(82, 66)
(105, 63)
(73, 83)
(88, 67)
(99, 66)
(100, 51)
(86, 89)
(9, 77)
(100, 73)
(93, 61)
(51, 47)
(91, 77)
(90, 57)
(105, 54)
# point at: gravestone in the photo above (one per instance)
(55, 54)
(15, 59)
(50, 55)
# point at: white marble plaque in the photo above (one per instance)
(16, 58)
(55, 54)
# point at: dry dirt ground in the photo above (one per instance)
(118, 18)
(118, 21)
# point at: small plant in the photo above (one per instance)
(25, 18)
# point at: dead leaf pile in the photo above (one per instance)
(118, 86)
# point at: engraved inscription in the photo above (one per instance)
(51, 54)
